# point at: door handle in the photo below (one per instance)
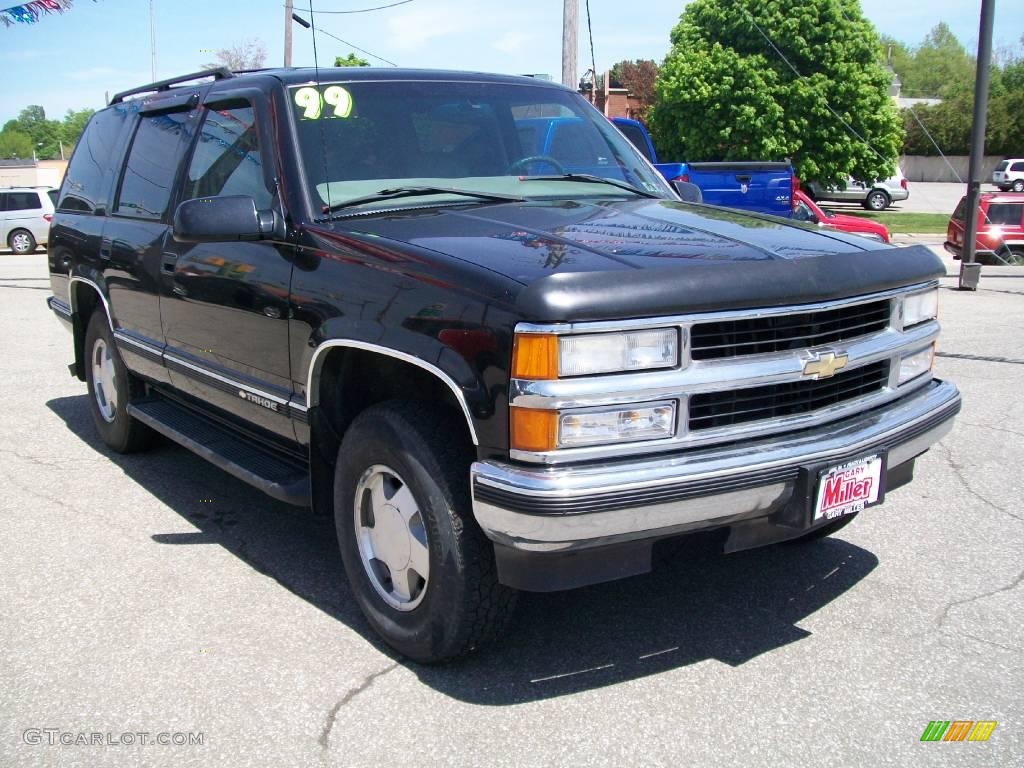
(168, 262)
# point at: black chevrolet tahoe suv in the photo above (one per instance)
(366, 293)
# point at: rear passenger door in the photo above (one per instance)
(136, 234)
(225, 305)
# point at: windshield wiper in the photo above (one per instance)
(399, 192)
(592, 179)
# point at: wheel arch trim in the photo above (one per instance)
(72, 279)
(316, 364)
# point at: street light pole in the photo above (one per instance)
(970, 272)
(570, 44)
(288, 32)
(152, 40)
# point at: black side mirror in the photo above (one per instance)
(222, 219)
(688, 191)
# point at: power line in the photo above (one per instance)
(593, 61)
(360, 10)
(351, 45)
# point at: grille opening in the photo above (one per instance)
(758, 335)
(723, 409)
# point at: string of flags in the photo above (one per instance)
(31, 12)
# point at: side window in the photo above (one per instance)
(3, 201)
(1005, 214)
(152, 162)
(89, 175)
(23, 201)
(1017, 167)
(227, 158)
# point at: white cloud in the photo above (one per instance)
(512, 42)
(413, 30)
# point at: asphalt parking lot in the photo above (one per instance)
(155, 594)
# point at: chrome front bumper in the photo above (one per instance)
(569, 508)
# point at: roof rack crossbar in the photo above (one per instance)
(217, 73)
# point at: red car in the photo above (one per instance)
(1000, 238)
(805, 209)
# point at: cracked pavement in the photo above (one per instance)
(153, 593)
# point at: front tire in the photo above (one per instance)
(111, 387)
(420, 568)
(877, 200)
(21, 242)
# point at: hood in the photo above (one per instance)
(606, 259)
(855, 224)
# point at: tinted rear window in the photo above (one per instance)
(1002, 165)
(958, 214)
(1005, 214)
(635, 135)
(53, 196)
(23, 201)
(91, 171)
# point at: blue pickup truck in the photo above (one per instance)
(763, 187)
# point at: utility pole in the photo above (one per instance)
(570, 44)
(970, 272)
(152, 41)
(288, 33)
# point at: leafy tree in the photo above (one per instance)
(939, 68)
(724, 92)
(638, 76)
(14, 144)
(248, 54)
(72, 126)
(350, 61)
(43, 134)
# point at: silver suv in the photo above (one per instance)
(875, 197)
(1009, 174)
(25, 215)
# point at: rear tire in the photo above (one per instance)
(21, 242)
(111, 388)
(1018, 185)
(877, 200)
(402, 476)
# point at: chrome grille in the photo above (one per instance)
(723, 409)
(758, 335)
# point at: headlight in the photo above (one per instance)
(547, 356)
(916, 364)
(545, 430)
(920, 307)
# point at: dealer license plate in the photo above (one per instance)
(848, 488)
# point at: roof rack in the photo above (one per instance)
(217, 73)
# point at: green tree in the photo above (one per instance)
(638, 76)
(44, 134)
(939, 68)
(350, 61)
(73, 125)
(14, 145)
(726, 93)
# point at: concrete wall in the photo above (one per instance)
(46, 173)
(921, 168)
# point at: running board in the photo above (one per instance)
(262, 468)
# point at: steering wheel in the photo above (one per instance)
(524, 163)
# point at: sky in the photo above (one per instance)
(99, 47)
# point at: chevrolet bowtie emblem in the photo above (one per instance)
(825, 365)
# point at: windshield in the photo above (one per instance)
(360, 138)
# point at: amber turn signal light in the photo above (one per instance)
(535, 356)
(531, 429)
